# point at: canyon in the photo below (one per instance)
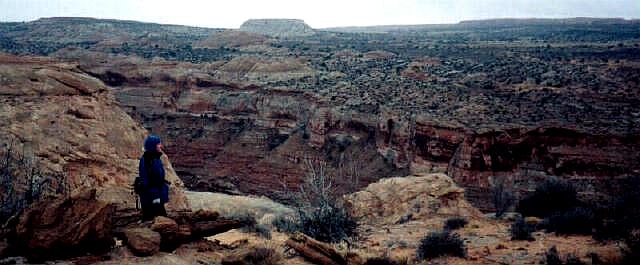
(245, 117)
(412, 124)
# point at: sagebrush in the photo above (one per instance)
(438, 244)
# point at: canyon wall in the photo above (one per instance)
(240, 138)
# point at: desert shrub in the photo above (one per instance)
(22, 182)
(579, 221)
(286, 224)
(549, 197)
(320, 212)
(620, 216)
(328, 223)
(502, 197)
(455, 223)
(440, 244)
(520, 230)
(552, 257)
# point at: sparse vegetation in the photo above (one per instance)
(552, 257)
(549, 197)
(439, 244)
(320, 213)
(620, 217)
(579, 221)
(520, 230)
(286, 224)
(22, 182)
(455, 223)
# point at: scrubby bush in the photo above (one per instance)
(23, 182)
(620, 216)
(286, 224)
(328, 223)
(552, 257)
(455, 223)
(578, 221)
(320, 212)
(440, 244)
(520, 230)
(549, 197)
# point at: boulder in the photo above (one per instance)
(164, 225)
(420, 195)
(168, 229)
(65, 227)
(205, 223)
(143, 241)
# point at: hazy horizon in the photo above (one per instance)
(331, 13)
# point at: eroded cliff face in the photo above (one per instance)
(68, 128)
(241, 137)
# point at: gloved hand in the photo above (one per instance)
(156, 201)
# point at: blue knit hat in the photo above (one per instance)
(151, 142)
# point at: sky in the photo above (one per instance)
(318, 14)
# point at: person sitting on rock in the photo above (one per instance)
(155, 192)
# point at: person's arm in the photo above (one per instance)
(142, 172)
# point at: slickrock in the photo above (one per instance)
(417, 197)
(65, 227)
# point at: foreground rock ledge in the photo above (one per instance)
(64, 228)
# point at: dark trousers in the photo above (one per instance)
(152, 210)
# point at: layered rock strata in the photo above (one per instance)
(244, 138)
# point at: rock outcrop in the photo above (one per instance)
(64, 228)
(278, 27)
(415, 197)
(71, 128)
(168, 233)
(143, 241)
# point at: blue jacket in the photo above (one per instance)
(153, 179)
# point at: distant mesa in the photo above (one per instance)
(278, 27)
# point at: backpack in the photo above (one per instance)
(138, 185)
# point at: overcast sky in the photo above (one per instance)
(318, 14)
